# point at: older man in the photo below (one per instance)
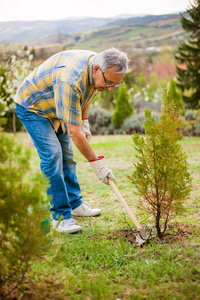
(52, 103)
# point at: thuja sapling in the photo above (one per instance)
(24, 213)
(161, 173)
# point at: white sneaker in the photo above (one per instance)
(85, 210)
(67, 225)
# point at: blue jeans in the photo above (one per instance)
(56, 162)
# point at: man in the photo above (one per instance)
(52, 103)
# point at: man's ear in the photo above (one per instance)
(95, 69)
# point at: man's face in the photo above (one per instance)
(101, 79)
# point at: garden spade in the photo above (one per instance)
(142, 234)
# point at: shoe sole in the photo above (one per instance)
(86, 215)
(68, 231)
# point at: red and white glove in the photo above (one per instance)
(101, 171)
(85, 128)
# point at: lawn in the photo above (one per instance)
(101, 263)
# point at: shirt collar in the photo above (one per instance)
(91, 69)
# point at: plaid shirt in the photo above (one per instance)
(59, 88)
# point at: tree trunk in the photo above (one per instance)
(14, 123)
(159, 233)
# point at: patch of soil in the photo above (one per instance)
(179, 232)
(132, 236)
(175, 233)
(128, 234)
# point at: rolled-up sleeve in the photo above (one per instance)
(68, 103)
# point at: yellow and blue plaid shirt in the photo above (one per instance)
(60, 88)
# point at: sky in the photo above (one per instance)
(30, 10)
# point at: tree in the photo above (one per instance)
(188, 57)
(161, 172)
(12, 73)
(124, 108)
(174, 96)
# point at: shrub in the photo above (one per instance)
(111, 129)
(134, 123)
(99, 119)
(124, 108)
(197, 129)
(191, 124)
(161, 171)
(23, 210)
(190, 114)
(187, 128)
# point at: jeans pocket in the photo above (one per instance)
(24, 114)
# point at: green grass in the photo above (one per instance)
(91, 265)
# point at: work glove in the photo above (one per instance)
(101, 171)
(85, 128)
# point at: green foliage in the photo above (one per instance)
(141, 80)
(161, 171)
(22, 211)
(174, 96)
(124, 108)
(8, 126)
(188, 56)
(3, 95)
(3, 121)
(151, 92)
(167, 270)
(129, 79)
(106, 99)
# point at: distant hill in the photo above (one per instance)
(26, 31)
(33, 32)
(142, 19)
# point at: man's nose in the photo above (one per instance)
(110, 88)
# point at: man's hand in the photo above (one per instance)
(101, 171)
(97, 163)
(85, 128)
(81, 142)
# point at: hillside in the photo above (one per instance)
(149, 40)
(134, 36)
(26, 31)
(84, 30)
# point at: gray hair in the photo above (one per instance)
(112, 58)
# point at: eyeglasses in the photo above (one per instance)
(110, 84)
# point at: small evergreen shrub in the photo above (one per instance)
(124, 108)
(174, 96)
(161, 173)
(23, 211)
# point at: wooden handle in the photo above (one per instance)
(126, 207)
